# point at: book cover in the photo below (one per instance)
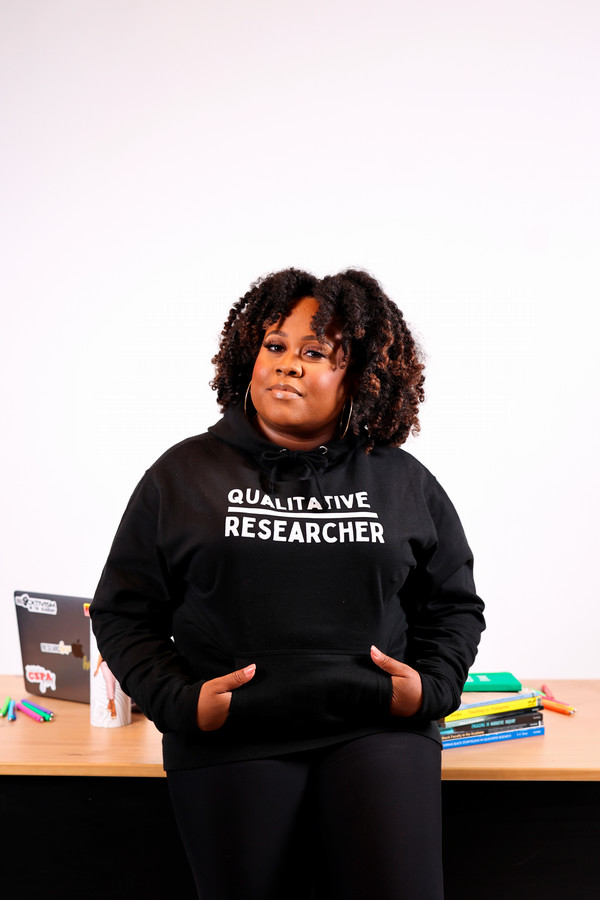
(486, 725)
(483, 704)
(469, 740)
(492, 681)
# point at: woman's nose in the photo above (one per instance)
(290, 366)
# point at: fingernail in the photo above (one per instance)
(376, 653)
(250, 669)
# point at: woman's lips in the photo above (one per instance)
(284, 391)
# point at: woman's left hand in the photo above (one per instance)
(407, 691)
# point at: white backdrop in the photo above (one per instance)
(157, 157)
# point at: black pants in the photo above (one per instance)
(361, 819)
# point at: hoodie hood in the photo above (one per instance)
(277, 463)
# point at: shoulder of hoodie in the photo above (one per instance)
(400, 465)
(189, 450)
(396, 461)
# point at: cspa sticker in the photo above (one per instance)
(44, 678)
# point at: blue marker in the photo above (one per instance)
(11, 711)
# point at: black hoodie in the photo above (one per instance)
(233, 550)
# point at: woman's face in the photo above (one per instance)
(298, 388)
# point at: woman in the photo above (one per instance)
(289, 597)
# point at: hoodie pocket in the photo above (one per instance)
(302, 691)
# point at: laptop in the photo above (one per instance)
(54, 632)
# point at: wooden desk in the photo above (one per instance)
(69, 745)
(524, 813)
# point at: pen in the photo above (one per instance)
(5, 706)
(30, 713)
(11, 711)
(46, 713)
(550, 696)
(558, 707)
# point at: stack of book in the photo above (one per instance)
(487, 715)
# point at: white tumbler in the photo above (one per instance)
(110, 707)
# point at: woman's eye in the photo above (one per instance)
(311, 352)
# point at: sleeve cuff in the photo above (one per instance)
(178, 709)
(439, 699)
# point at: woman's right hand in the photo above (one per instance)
(215, 697)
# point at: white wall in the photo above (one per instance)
(157, 157)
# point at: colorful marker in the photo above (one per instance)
(550, 696)
(30, 713)
(46, 713)
(555, 706)
(41, 708)
(11, 711)
(5, 706)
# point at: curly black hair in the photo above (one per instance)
(384, 360)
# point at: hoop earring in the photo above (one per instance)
(246, 398)
(343, 433)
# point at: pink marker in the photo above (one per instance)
(29, 712)
(47, 713)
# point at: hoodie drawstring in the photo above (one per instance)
(313, 460)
